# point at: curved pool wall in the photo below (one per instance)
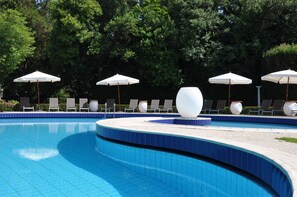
(259, 166)
(190, 175)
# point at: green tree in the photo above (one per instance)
(281, 57)
(16, 41)
(38, 20)
(144, 36)
(75, 39)
(255, 27)
(157, 55)
(199, 29)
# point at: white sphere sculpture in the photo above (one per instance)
(289, 107)
(189, 102)
(236, 107)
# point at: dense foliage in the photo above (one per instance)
(166, 44)
(283, 56)
(16, 41)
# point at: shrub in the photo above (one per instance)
(283, 56)
(8, 105)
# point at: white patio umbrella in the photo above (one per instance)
(118, 80)
(282, 77)
(229, 79)
(37, 77)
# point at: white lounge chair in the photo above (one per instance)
(53, 104)
(167, 106)
(83, 104)
(70, 104)
(154, 106)
(132, 105)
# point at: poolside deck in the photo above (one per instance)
(261, 141)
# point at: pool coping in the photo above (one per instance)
(286, 161)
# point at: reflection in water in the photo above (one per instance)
(37, 154)
(53, 127)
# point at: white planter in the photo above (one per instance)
(289, 106)
(236, 107)
(142, 106)
(94, 105)
(189, 102)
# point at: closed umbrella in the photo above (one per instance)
(282, 77)
(37, 77)
(118, 80)
(230, 79)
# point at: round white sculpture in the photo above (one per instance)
(142, 106)
(189, 102)
(236, 107)
(94, 105)
(290, 108)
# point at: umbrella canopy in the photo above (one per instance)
(230, 79)
(118, 80)
(282, 77)
(37, 77)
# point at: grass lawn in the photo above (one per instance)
(288, 139)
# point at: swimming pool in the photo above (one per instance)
(239, 124)
(54, 157)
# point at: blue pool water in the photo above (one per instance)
(251, 125)
(61, 157)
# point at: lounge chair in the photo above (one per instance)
(167, 106)
(221, 104)
(132, 105)
(154, 106)
(70, 104)
(264, 107)
(109, 105)
(53, 104)
(83, 104)
(207, 105)
(276, 107)
(25, 104)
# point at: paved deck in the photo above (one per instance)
(261, 141)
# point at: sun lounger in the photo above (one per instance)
(109, 105)
(83, 104)
(70, 104)
(154, 107)
(167, 107)
(221, 104)
(53, 104)
(264, 107)
(277, 106)
(25, 104)
(132, 105)
(207, 105)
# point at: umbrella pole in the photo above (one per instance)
(287, 89)
(229, 92)
(119, 96)
(38, 98)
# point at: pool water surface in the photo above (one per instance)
(59, 157)
(251, 125)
